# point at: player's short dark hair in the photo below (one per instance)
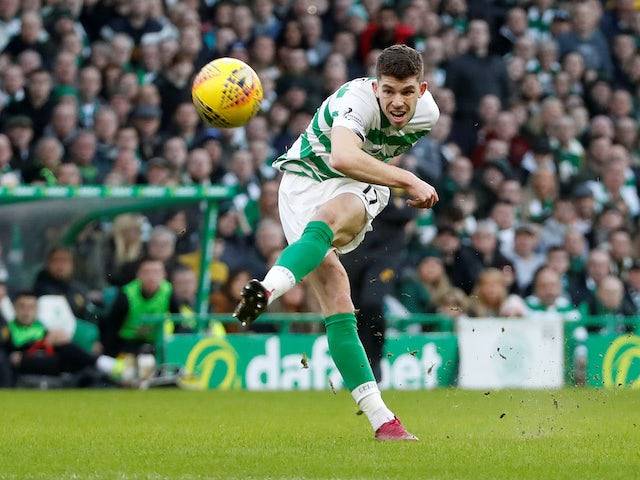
(399, 61)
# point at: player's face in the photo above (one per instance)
(398, 98)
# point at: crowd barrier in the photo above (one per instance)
(488, 353)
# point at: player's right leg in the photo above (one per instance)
(330, 284)
(335, 223)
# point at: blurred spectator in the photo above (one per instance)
(13, 84)
(268, 202)
(621, 251)
(613, 188)
(199, 167)
(68, 174)
(227, 297)
(514, 28)
(576, 246)
(82, 152)
(448, 243)
(269, 240)
(503, 214)
(47, 156)
(585, 208)
(458, 177)
(462, 77)
(124, 329)
(172, 82)
(136, 23)
(57, 278)
(162, 247)
(20, 133)
(610, 218)
(587, 39)
(583, 285)
(384, 32)
(159, 172)
(525, 260)
(266, 22)
(609, 299)
(89, 86)
(481, 254)
(31, 37)
(9, 21)
(554, 228)
(146, 120)
(179, 222)
(558, 261)
(185, 288)
(125, 249)
(540, 196)
(547, 295)
(64, 122)
(38, 351)
(431, 291)
(490, 297)
(633, 279)
(37, 104)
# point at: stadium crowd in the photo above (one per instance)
(536, 155)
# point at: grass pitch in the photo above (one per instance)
(569, 434)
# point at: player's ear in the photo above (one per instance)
(423, 88)
(374, 85)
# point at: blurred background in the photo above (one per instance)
(535, 158)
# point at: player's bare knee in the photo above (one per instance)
(328, 216)
(343, 303)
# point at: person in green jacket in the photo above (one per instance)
(124, 330)
(38, 351)
(548, 298)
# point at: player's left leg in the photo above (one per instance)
(331, 285)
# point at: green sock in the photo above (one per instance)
(305, 254)
(347, 350)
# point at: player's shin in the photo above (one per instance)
(298, 259)
(350, 358)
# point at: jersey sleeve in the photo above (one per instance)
(428, 112)
(356, 110)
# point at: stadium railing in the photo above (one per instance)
(576, 331)
(433, 322)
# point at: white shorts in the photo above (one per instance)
(300, 197)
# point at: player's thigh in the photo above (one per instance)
(346, 216)
(331, 285)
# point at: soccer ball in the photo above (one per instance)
(226, 93)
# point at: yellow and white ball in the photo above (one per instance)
(226, 93)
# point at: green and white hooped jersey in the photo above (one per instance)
(355, 106)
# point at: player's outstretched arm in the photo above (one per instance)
(348, 158)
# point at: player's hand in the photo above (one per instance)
(421, 194)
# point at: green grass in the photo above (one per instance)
(570, 434)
